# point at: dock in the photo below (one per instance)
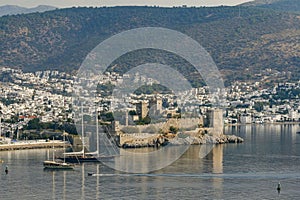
(32, 144)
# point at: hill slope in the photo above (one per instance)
(280, 5)
(254, 39)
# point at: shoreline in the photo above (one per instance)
(33, 144)
(269, 123)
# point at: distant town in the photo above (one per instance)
(43, 100)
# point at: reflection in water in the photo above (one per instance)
(53, 185)
(97, 183)
(218, 169)
(82, 180)
(60, 181)
(135, 161)
(217, 159)
(56, 183)
(155, 183)
(64, 186)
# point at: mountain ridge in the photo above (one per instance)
(14, 9)
(259, 2)
(279, 5)
(238, 38)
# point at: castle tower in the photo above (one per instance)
(155, 105)
(142, 109)
(214, 120)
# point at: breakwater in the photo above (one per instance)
(32, 145)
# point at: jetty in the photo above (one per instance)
(32, 144)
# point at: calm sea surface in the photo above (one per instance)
(252, 170)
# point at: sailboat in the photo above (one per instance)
(83, 156)
(54, 164)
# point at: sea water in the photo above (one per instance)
(251, 170)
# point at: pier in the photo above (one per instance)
(32, 144)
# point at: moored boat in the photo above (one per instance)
(52, 164)
(83, 156)
(79, 157)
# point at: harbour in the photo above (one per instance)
(140, 100)
(251, 170)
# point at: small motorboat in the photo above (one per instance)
(90, 173)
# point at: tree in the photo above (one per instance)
(258, 106)
(34, 124)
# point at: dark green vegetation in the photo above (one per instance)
(152, 89)
(242, 41)
(35, 129)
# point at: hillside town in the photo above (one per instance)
(47, 96)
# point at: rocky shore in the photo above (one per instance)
(152, 142)
(181, 139)
(205, 139)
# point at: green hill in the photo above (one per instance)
(238, 38)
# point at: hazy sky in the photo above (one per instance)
(70, 3)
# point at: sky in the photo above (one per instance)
(99, 3)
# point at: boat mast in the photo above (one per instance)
(97, 132)
(82, 133)
(53, 148)
(64, 146)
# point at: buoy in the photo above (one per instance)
(6, 169)
(279, 187)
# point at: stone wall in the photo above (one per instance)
(140, 140)
(164, 127)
